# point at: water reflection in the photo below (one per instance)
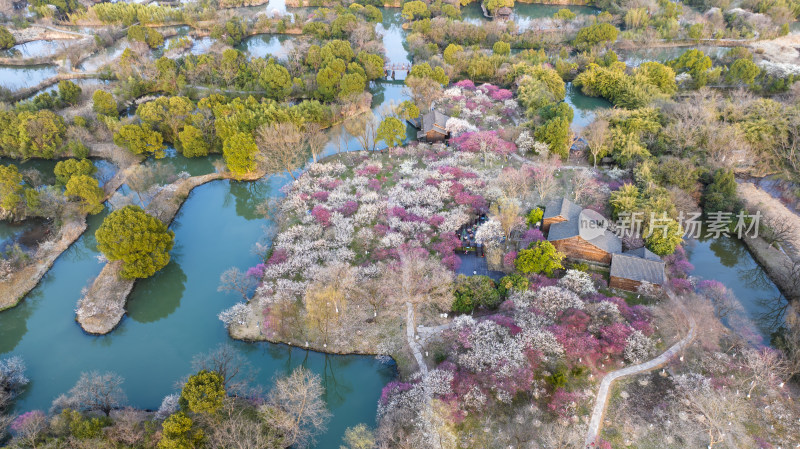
(524, 14)
(584, 106)
(265, 45)
(35, 49)
(151, 301)
(174, 314)
(727, 259)
(248, 196)
(728, 251)
(23, 77)
(394, 41)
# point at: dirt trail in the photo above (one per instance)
(602, 395)
(772, 208)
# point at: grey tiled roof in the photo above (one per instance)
(643, 253)
(434, 121)
(562, 207)
(638, 269)
(608, 241)
(563, 230)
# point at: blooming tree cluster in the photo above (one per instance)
(484, 107)
(365, 211)
(527, 350)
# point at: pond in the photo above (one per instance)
(36, 49)
(727, 259)
(264, 45)
(23, 77)
(637, 56)
(524, 13)
(584, 106)
(173, 316)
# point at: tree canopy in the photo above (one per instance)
(540, 257)
(203, 392)
(142, 242)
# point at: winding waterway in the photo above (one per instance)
(173, 316)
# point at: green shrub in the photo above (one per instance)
(599, 33)
(515, 282)
(474, 291)
(540, 257)
(534, 216)
(6, 39)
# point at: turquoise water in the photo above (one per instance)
(393, 36)
(173, 315)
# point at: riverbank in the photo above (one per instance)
(21, 282)
(14, 289)
(101, 309)
(39, 32)
(779, 265)
(22, 94)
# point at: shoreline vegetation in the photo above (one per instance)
(457, 253)
(21, 282)
(101, 309)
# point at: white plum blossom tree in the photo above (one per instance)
(638, 347)
(577, 281)
(237, 314)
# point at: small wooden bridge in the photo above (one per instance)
(390, 69)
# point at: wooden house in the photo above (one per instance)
(631, 268)
(557, 211)
(432, 127)
(562, 223)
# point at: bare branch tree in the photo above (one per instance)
(777, 229)
(94, 392)
(237, 429)
(145, 179)
(418, 280)
(544, 180)
(233, 280)
(281, 147)
(365, 130)
(596, 134)
(237, 373)
(315, 138)
(295, 408)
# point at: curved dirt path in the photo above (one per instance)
(412, 341)
(602, 395)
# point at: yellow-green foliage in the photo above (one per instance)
(650, 81)
(142, 242)
(203, 392)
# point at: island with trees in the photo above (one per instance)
(562, 224)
